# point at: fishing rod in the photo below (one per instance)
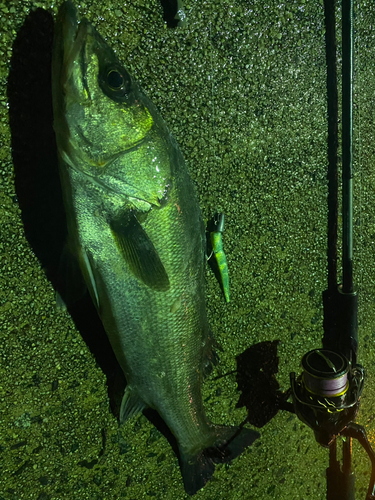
(326, 395)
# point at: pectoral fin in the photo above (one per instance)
(139, 252)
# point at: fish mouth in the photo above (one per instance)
(70, 38)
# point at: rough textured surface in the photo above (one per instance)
(242, 87)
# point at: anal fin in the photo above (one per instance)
(131, 404)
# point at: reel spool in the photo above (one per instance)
(326, 395)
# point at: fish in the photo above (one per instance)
(136, 231)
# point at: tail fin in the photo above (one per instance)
(230, 442)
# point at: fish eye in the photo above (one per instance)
(115, 79)
(115, 82)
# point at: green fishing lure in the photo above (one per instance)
(217, 250)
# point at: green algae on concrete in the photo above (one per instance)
(242, 87)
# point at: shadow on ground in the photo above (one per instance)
(37, 180)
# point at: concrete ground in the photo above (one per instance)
(243, 89)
